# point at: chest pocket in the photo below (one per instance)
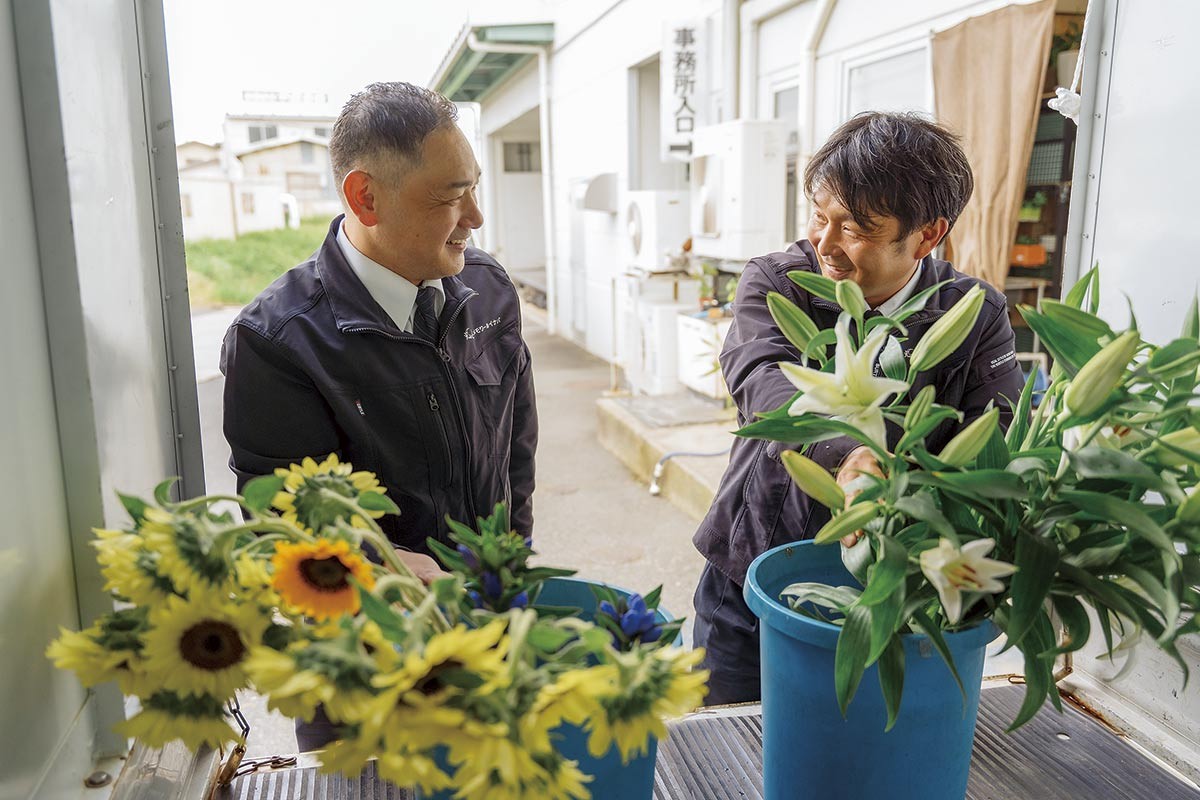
(492, 383)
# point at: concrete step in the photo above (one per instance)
(640, 431)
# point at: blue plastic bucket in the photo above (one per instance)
(611, 779)
(809, 750)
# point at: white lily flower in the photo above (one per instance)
(852, 393)
(953, 571)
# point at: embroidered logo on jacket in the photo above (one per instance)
(471, 333)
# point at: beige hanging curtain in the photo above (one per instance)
(987, 79)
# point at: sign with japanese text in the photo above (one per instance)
(683, 70)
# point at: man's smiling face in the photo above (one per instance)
(877, 258)
(425, 217)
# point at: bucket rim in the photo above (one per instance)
(771, 611)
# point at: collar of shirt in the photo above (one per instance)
(899, 298)
(397, 296)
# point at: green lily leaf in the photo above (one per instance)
(1094, 461)
(891, 678)
(1079, 322)
(815, 284)
(850, 657)
(887, 573)
(1069, 349)
(994, 484)
(1036, 561)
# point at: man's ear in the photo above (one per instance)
(359, 191)
(931, 235)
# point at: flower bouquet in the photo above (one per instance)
(464, 686)
(1082, 517)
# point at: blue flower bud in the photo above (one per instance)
(492, 586)
(529, 542)
(637, 603)
(469, 557)
(520, 601)
(633, 623)
(476, 600)
(652, 634)
(606, 608)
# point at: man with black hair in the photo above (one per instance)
(396, 346)
(885, 190)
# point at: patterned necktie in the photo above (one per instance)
(425, 321)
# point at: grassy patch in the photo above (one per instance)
(233, 271)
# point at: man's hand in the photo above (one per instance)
(424, 567)
(861, 461)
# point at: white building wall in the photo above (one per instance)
(597, 45)
(207, 208)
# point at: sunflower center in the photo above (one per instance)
(212, 645)
(431, 684)
(325, 574)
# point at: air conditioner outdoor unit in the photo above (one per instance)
(738, 189)
(647, 340)
(654, 223)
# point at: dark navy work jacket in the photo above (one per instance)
(315, 366)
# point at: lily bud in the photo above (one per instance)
(850, 298)
(967, 443)
(948, 332)
(847, 522)
(1185, 439)
(919, 408)
(1189, 509)
(1103, 372)
(797, 326)
(814, 480)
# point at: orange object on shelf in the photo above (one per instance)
(1028, 255)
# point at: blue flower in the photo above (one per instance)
(520, 601)
(469, 557)
(653, 634)
(492, 587)
(476, 600)
(637, 603)
(607, 609)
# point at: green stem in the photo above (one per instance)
(188, 505)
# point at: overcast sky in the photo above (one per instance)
(218, 48)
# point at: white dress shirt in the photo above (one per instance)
(397, 296)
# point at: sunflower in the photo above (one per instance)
(500, 768)
(80, 652)
(186, 551)
(656, 685)
(303, 503)
(196, 720)
(199, 646)
(450, 663)
(254, 581)
(314, 577)
(129, 568)
(290, 690)
(412, 768)
(573, 697)
(335, 670)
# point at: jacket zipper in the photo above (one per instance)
(436, 408)
(445, 357)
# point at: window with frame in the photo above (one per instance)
(262, 133)
(895, 83)
(247, 202)
(322, 132)
(522, 157)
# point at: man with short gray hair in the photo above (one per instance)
(396, 346)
